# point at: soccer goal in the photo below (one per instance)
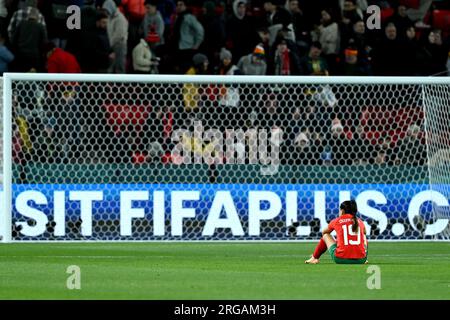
(166, 157)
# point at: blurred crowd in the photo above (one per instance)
(134, 123)
(229, 37)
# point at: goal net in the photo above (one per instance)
(105, 157)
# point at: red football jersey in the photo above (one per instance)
(350, 245)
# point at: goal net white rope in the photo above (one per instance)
(159, 157)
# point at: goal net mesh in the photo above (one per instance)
(155, 160)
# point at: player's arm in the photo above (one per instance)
(329, 229)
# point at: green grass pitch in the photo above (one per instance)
(409, 270)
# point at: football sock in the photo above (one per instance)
(320, 249)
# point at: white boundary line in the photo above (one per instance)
(211, 241)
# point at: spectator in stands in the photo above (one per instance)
(142, 58)
(103, 54)
(410, 150)
(191, 92)
(336, 141)
(301, 26)
(187, 36)
(241, 31)
(82, 43)
(351, 66)
(303, 152)
(264, 41)
(254, 63)
(350, 17)
(401, 21)
(351, 13)
(117, 29)
(28, 40)
(386, 55)
(286, 61)
(226, 66)
(363, 148)
(314, 64)
(60, 61)
(153, 24)
(278, 18)
(329, 37)
(6, 56)
(55, 13)
(134, 11)
(410, 51)
(214, 26)
(433, 56)
(22, 15)
(361, 6)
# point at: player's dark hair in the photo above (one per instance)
(350, 207)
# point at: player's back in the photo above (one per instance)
(350, 245)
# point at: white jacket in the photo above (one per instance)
(142, 57)
(329, 38)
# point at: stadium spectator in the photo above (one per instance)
(254, 63)
(215, 36)
(301, 26)
(6, 56)
(134, 11)
(360, 42)
(314, 64)
(410, 150)
(153, 24)
(226, 66)
(55, 14)
(361, 6)
(60, 61)
(117, 29)
(103, 54)
(336, 141)
(82, 43)
(191, 92)
(410, 51)
(142, 58)
(304, 151)
(386, 55)
(28, 40)
(351, 13)
(363, 148)
(433, 56)
(241, 31)
(401, 21)
(286, 61)
(278, 18)
(351, 66)
(329, 37)
(22, 15)
(187, 36)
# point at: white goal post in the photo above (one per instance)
(211, 158)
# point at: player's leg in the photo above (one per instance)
(325, 242)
